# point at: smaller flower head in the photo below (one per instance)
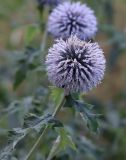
(49, 2)
(75, 65)
(72, 18)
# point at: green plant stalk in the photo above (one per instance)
(45, 34)
(57, 110)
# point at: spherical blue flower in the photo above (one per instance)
(49, 2)
(75, 65)
(72, 18)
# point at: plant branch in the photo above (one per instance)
(58, 108)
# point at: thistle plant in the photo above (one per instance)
(49, 2)
(73, 64)
(72, 18)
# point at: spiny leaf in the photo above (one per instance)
(66, 139)
(6, 153)
(31, 122)
(37, 122)
(85, 111)
(24, 106)
(16, 135)
(86, 114)
(63, 141)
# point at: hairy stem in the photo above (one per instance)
(58, 108)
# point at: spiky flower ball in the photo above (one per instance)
(49, 2)
(75, 65)
(72, 18)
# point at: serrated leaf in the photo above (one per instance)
(66, 139)
(16, 135)
(31, 122)
(86, 114)
(6, 153)
(36, 122)
(63, 141)
(91, 122)
(85, 111)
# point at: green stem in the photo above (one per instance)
(58, 108)
(44, 34)
(37, 142)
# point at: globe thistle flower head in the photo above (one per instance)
(49, 2)
(75, 65)
(72, 19)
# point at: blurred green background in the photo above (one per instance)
(109, 99)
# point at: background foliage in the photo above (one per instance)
(24, 88)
